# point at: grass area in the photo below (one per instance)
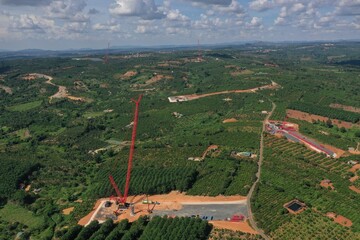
(14, 213)
(25, 106)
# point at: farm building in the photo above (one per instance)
(177, 99)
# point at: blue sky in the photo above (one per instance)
(64, 24)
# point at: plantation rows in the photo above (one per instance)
(226, 177)
(325, 111)
(146, 180)
(304, 154)
(142, 229)
(313, 225)
(289, 173)
(176, 228)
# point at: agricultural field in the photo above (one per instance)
(57, 152)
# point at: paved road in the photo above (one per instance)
(212, 211)
(250, 214)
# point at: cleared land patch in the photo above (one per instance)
(312, 117)
(346, 108)
(6, 89)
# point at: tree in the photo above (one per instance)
(72, 233)
(88, 231)
(329, 123)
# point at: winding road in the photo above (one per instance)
(248, 200)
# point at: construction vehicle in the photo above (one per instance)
(237, 218)
(149, 202)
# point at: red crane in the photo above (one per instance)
(120, 198)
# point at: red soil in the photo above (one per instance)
(346, 108)
(170, 201)
(230, 120)
(354, 178)
(355, 168)
(355, 189)
(340, 219)
(325, 184)
(311, 117)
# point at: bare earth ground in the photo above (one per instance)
(230, 120)
(67, 211)
(340, 219)
(234, 226)
(339, 152)
(62, 92)
(311, 117)
(129, 74)
(172, 201)
(346, 108)
(354, 178)
(355, 189)
(157, 78)
(324, 184)
(355, 168)
(6, 89)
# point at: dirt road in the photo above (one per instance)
(258, 174)
(191, 97)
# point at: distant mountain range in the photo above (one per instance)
(28, 53)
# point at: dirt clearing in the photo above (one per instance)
(129, 74)
(354, 178)
(355, 168)
(355, 189)
(158, 78)
(327, 184)
(234, 226)
(171, 202)
(230, 120)
(346, 108)
(311, 118)
(67, 211)
(6, 89)
(340, 219)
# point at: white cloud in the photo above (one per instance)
(111, 26)
(212, 2)
(68, 10)
(31, 23)
(255, 23)
(348, 7)
(175, 15)
(261, 5)
(297, 7)
(147, 29)
(233, 7)
(145, 9)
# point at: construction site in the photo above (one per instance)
(222, 211)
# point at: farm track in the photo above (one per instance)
(258, 174)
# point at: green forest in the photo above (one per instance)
(57, 152)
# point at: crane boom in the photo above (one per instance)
(132, 147)
(112, 181)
